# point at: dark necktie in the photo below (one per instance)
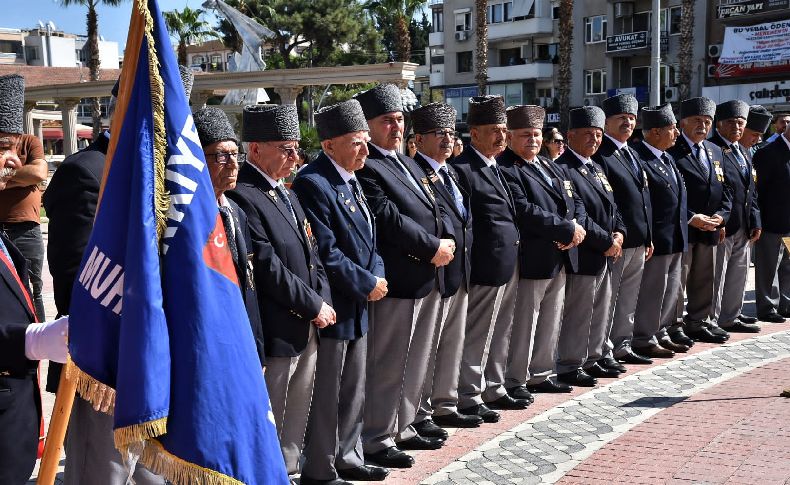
(702, 159)
(450, 186)
(668, 166)
(360, 200)
(539, 168)
(595, 174)
(628, 156)
(287, 201)
(405, 172)
(741, 161)
(227, 217)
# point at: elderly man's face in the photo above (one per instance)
(223, 165)
(490, 140)
(585, 141)
(526, 142)
(662, 138)
(621, 127)
(696, 127)
(732, 128)
(386, 130)
(437, 144)
(349, 151)
(750, 138)
(9, 162)
(276, 159)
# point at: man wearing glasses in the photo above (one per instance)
(293, 291)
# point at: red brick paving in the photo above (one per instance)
(737, 432)
(463, 441)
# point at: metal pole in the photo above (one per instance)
(655, 63)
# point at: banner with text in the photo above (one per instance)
(768, 42)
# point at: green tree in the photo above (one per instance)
(396, 16)
(188, 27)
(564, 74)
(94, 63)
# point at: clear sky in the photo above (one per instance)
(113, 21)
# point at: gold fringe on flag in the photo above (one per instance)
(161, 197)
(137, 433)
(178, 471)
(88, 387)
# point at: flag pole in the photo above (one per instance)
(53, 445)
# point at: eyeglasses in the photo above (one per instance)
(289, 151)
(443, 133)
(558, 141)
(226, 157)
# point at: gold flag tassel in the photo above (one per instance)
(178, 471)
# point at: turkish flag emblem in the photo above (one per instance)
(216, 253)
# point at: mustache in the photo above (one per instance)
(444, 145)
(7, 172)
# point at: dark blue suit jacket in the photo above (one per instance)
(631, 193)
(460, 267)
(496, 246)
(668, 200)
(745, 212)
(603, 218)
(772, 164)
(20, 406)
(346, 242)
(706, 195)
(545, 216)
(409, 222)
(289, 277)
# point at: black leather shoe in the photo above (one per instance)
(681, 338)
(391, 458)
(507, 402)
(742, 327)
(303, 480)
(458, 420)
(428, 429)
(718, 331)
(747, 318)
(420, 443)
(654, 351)
(634, 358)
(549, 385)
(668, 344)
(704, 335)
(596, 370)
(364, 473)
(578, 378)
(610, 363)
(772, 317)
(520, 392)
(481, 410)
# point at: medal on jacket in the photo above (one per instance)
(427, 185)
(754, 175)
(273, 195)
(604, 181)
(568, 187)
(308, 230)
(250, 273)
(718, 170)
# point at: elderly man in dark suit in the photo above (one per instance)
(550, 216)
(772, 259)
(22, 345)
(293, 292)
(744, 226)
(709, 202)
(493, 282)
(585, 322)
(344, 227)
(632, 195)
(415, 243)
(656, 307)
(434, 126)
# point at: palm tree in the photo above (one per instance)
(93, 50)
(188, 28)
(400, 13)
(481, 45)
(686, 47)
(564, 74)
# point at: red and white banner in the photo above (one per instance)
(768, 42)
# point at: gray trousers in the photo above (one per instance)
(440, 392)
(771, 274)
(290, 384)
(421, 351)
(732, 264)
(91, 456)
(697, 280)
(583, 320)
(656, 306)
(393, 322)
(626, 282)
(536, 327)
(335, 424)
(489, 321)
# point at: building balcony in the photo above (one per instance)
(520, 28)
(533, 70)
(437, 77)
(436, 39)
(435, 3)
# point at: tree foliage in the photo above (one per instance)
(395, 20)
(188, 27)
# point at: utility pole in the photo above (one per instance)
(655, 63)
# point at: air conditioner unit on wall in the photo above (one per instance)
(714, 50)
(671, 94)
(712, 69)
(623, 9)
(462, 35)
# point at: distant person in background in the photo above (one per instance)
(411, 146)
(458, 147)
(781, 120)
(553, 143)
(756, 125)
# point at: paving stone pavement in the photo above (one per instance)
(545, 448)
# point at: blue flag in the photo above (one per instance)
(157, 313)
